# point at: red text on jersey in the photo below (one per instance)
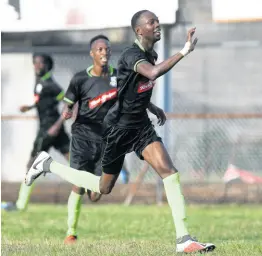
(145, 86)
(102, 98)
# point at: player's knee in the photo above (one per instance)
(105, 190)
(165, 171)
(93, 197)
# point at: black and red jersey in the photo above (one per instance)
(95, 96)
(134, 90)
(47, 94)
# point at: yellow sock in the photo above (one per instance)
(79, 178)
(24, 196)
(177, 204)
(74, 209)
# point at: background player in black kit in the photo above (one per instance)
(51, 133)
(129, 129)
(95, 91)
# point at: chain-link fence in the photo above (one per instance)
(214, 80)
(199, 147)
(203, 148)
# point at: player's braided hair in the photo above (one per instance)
(135, 19)
(48, 60)
(97, 38)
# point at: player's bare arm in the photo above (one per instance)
(153, 72)
(26, 108)
(75, 111)
(158, 112)
(55, 128)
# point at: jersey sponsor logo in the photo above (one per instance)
(143, 87)
(113, 81)
(38, 88)
(102, 98)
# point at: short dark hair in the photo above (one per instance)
(48, 60)
(97, 38)
(135, 19)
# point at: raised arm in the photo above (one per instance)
(153, 72)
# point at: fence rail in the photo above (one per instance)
(169, 116)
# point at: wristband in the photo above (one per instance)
(186, 49)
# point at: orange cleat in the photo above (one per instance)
(70, 239)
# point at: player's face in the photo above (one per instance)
(101, 52)
(149, 27)
(39, 66)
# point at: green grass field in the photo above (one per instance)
(136, 230)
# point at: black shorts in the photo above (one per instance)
(43, 142)
(120, 141)
(86, 154)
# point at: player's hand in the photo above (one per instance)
(189, 46)
(161, 116)
(24, 108)
(158, 112)
(190, 34)
(67, 113)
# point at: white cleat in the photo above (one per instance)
(37, 168)
(192, 245)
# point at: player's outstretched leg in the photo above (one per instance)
(156, 155)
(43, 163)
